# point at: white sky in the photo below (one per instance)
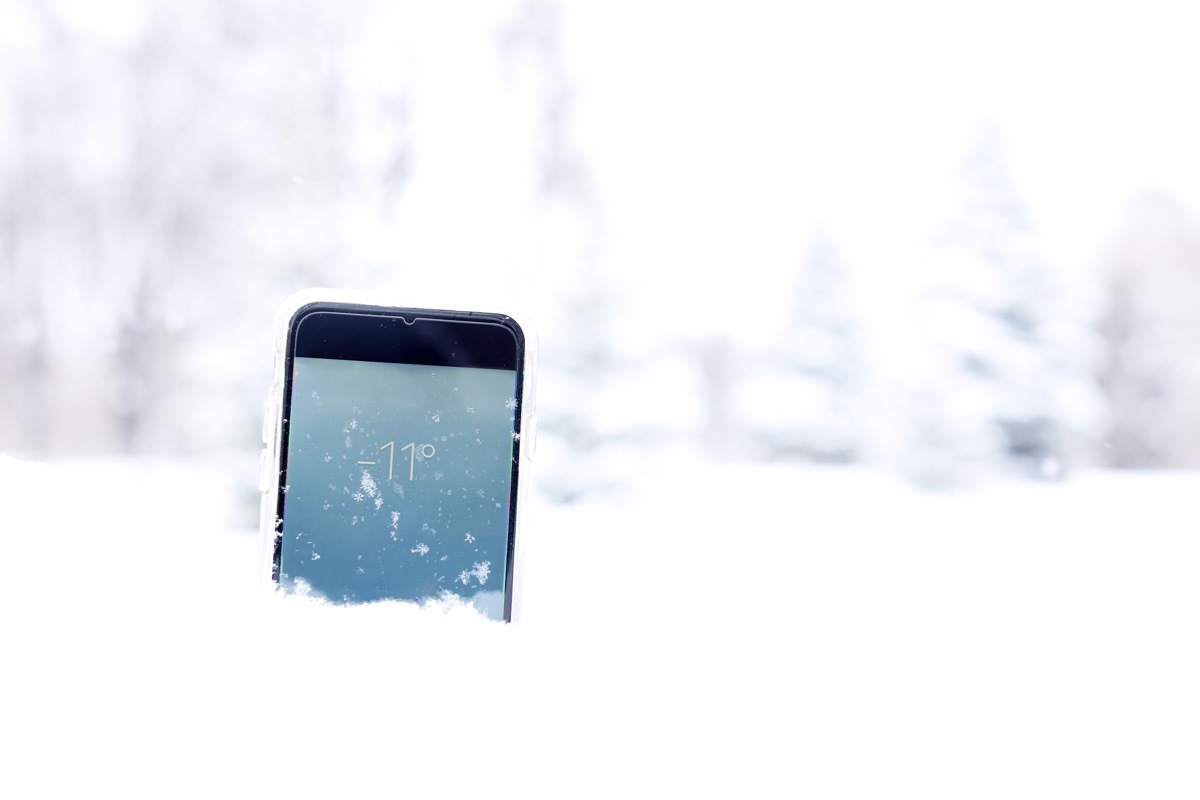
(718, 134)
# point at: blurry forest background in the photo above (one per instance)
(843, 236)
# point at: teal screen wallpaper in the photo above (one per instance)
(398, 482)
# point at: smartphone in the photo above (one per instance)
(393, 467)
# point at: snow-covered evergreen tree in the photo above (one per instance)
(1151, 331)
(584, 409)
(1000, 375)
(803, 400)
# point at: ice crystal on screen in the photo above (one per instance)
(469, 538)
(315, 556)
(353, 424)
(516, 436)
(437, 476)
(361, 571)
(328, 458)
(347, 441)
(511, 404)
(325, 506)
(358, 497)
(378, 503)
(368, 485)
(478, 571)
(395, 518)
(316, 396)
(420, 549)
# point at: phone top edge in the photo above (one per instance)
(412, 315)
(402, 336)
(516, 317)
(352, 301)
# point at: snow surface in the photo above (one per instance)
(723, 630)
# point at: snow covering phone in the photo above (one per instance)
(396, 455)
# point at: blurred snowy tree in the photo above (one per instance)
(804, 399)
(1001, 375)
(1152, 337)
(142, 173)
(585, 417)
(166, 182)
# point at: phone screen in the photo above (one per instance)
(401, 448)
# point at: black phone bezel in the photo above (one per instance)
(401, 335)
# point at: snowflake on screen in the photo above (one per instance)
(421, 549)
(511, 404)
(477, 571)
